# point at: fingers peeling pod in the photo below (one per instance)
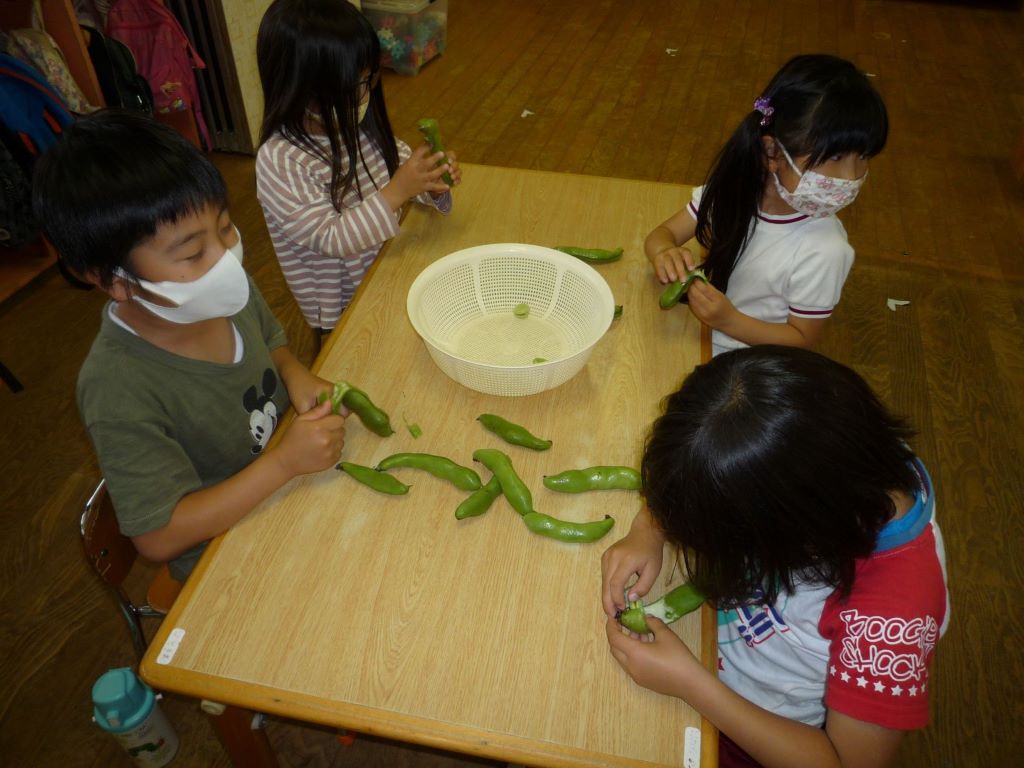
(432, 134)
(513, 433)
(600, 478)
(674, 291)
(512, 486)
(591, 255)
(357, 401)
(461, 477)
(479, 501)
(563, 530)
(370, 477)
(670, 607)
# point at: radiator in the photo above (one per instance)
(219, 91)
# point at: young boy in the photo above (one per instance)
(190, 371)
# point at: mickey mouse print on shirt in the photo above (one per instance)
(262, 410)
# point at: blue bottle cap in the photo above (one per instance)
(121, 701)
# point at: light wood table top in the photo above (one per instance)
(334, 604)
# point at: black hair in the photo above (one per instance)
(822, 106)
(311, 55)
(110, 180)
(773, 466)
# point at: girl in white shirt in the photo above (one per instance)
(330, 175)
(777, 256)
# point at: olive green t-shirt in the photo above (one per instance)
(164, 426)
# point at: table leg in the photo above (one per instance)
(243, 737)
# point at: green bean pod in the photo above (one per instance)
(512, 486)
(600, 478)
(479, 501)
(370, 477)
(674, 291)
(669, 607)
(432, 134)
(512, 433)
(591, 255)
(463, 478)
(359, 403)
(563, 530)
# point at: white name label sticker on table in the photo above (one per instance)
(691, 748)
(170, 646)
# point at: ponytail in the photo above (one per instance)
(816, 105)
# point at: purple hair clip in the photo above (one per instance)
(763, 104)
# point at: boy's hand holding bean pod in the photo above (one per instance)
(311, 442)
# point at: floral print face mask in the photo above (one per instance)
(816, 194)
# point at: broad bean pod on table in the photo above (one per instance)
(599, 478)
(479, 501)
(463, 478)
(370, 477)
(564, 530)
(512, 433)
(515, 490)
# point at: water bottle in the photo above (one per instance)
(126, 707)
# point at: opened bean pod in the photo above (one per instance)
(669, 607)
(359, 403)
(674, 291)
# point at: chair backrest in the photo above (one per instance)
(109, 551)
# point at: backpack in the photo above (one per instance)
(36, 48)
(163, 53)
(120, 81)
(31, 118)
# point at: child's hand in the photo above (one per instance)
(672, 264)
(660, 662)
(637, 554)
(454, 169)
(304, 390)
(312, 442)
(710, 305)
(416, 175)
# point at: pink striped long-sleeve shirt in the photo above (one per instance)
(324, 254)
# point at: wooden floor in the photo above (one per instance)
(642, 90)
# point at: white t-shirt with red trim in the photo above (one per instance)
(866, 656)
(792, 264)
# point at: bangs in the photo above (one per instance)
(847, 118)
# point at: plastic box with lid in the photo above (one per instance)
(411, 32)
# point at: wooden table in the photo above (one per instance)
(337, 605)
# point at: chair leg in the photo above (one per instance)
(246, 743)
(134, 627)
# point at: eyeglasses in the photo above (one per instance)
(367, 85)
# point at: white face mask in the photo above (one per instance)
(223, 291)
(817, 195)
(237, 247)
(363, 107)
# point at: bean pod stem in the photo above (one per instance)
(513, 433)
(463, 478)
(370, 477)
(563, 530)
(599, 478)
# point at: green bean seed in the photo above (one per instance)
(378, 481)
(463, 478)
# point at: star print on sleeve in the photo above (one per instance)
(862, 682)
(879, 687)
(896, 690)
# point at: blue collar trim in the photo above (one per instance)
(896, 533)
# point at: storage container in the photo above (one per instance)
(411, 32)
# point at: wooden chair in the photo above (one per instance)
(112, 555)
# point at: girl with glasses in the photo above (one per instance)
(330, 175)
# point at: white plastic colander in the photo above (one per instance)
(462, 306)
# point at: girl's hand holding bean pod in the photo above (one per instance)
(659, 661)
(674, 292)
(638, 554)
(671, 264)
(420, 173)
(711, 306)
